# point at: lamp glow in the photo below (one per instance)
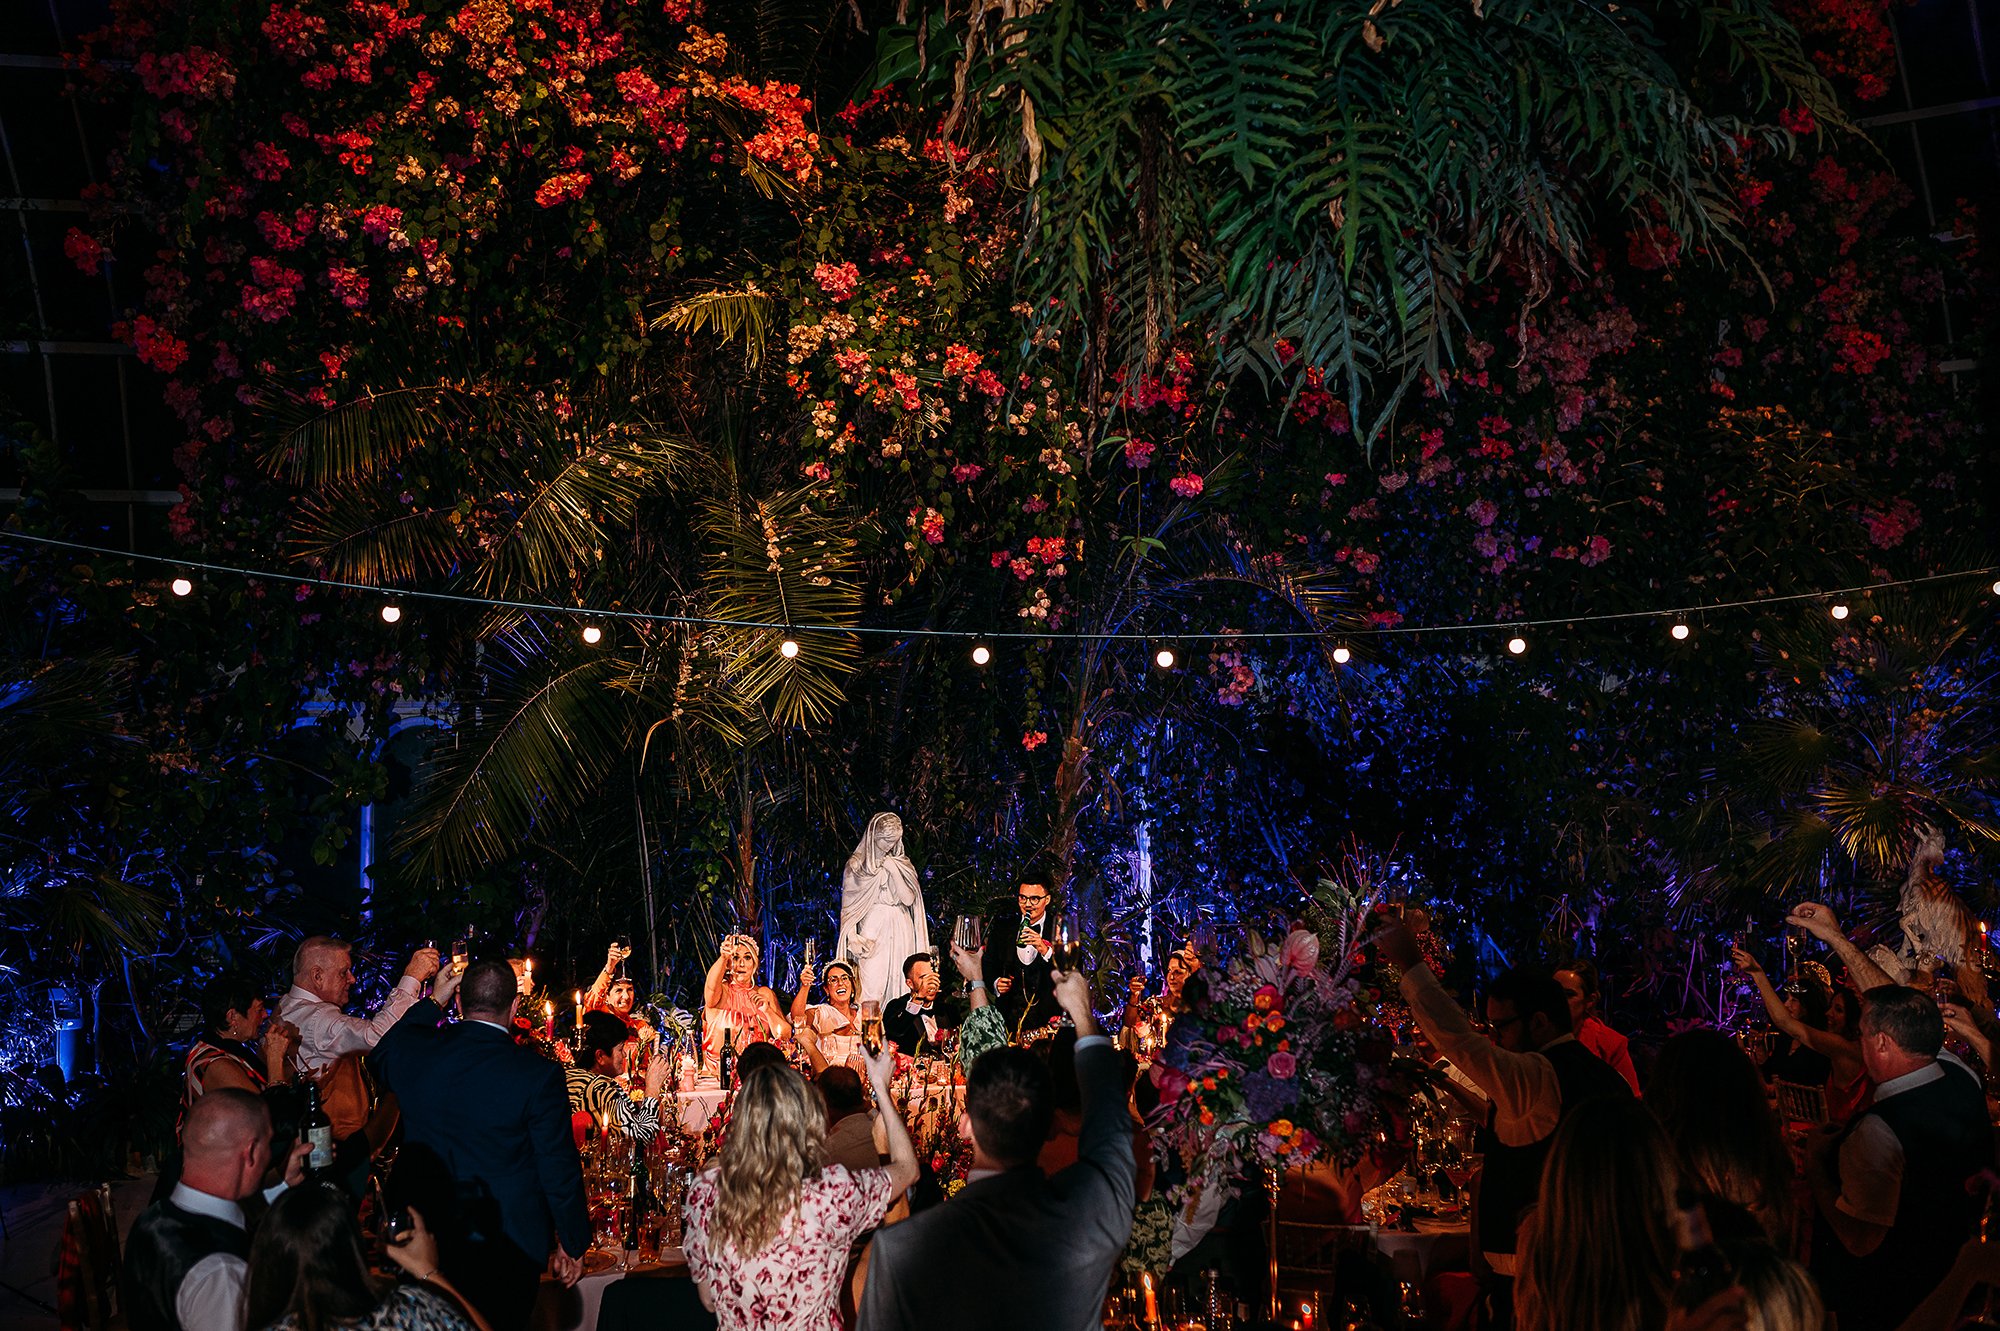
(1838, 612)
(981, 654)
(593, 634)
(1164, 658)
(391, 613)
(1341, 656)
(181, 586)
(788, 649)
(1517, 645)
(1680, 632)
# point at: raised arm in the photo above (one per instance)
(594, 996)
(1774, 1003)
(902, 1151)
(1821, 923)
(971, 969)
(802, 1000)
(711, 985)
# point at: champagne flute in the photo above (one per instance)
(871, 1025)
(624, 942)
(461, 954)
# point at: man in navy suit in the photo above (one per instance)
(488, 1156)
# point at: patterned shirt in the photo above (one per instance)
(599, 1095)
(794, 1283)
(406, 1308)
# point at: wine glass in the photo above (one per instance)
(624, 942)
(969, 933)
(871, 1025)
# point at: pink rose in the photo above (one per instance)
(1282, 1065)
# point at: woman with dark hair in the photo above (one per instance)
(227, 1052)
(309, 1272)
(1838, 1041)
(1731, 1149)
(770, 1226)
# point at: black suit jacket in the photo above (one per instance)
(1038, 1249)
(492, 1120)
(902, 1026)
(1033, 994)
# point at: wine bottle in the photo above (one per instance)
(316, 1131)
(726, 1064)
(1703, 1269)
(635, 1196)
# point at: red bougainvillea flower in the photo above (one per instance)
(1139, 453)
(837, 279)
(1034, 739)
(562, 188)
(1187, 486)
(83, 250)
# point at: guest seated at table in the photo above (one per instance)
(1727, 1139)
(734, 1005)
(850, 1128)
(618, 994)
(594, 1084)
(228, 1052)
(836, 1016)
(1579, 985)
(770, 1226)
(1014, 1248)
(918, 1021)
(309, 1272)
(1146, 1019)
(1598, 1250)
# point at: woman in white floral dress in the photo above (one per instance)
(769, 1228)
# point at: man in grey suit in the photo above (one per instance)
(1017, 1249)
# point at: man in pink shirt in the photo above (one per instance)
(1579, 981)
(322, 977)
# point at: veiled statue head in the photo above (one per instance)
(882, 840)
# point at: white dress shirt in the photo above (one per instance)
(325, 1032)
(211, 1294)
(1871, 1155)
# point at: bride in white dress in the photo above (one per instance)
(881, 910)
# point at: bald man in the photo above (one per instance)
(184, 1259)
(322, 978)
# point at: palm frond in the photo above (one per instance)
(732, 315)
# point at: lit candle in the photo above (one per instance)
(528, 966)
(579, 1009)
(1306, 1316)
(1152, 1301)
(549, 1017)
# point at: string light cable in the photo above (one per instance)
(393, 596)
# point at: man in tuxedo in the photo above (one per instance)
(1018, 968)
(917, 1020)
(1039, 1249)
(488, 1156)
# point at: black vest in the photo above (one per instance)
(1946, 1139)
(1512, 1175)
(164, 1245)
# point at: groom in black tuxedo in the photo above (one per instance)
(1019, 943)
(916, 1021)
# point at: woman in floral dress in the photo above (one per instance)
(769, 1228)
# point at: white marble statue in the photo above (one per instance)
(881, 910)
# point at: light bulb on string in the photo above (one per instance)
(789, 648)
(981, 654)
(1996, 589)
(1164, 658)
(1839, 610)
(592, 634)
(180, 586)
(1680, 632)
(391, 613)
(1517, 645)
(1341, 656)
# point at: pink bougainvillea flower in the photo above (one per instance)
(1139, 453)
(1187, 485)
(837, 279)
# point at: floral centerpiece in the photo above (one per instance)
(1279, 1063)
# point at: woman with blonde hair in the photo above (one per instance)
(769, 1228)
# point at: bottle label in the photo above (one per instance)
(320, 1139)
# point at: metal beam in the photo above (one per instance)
(1916, 113)
(163, 498)
(22, 348)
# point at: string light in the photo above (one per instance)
(1164, 658)
(1680, 632)
(186, 567)
(391, 613)
(593, 634)
(981, 654)
(1517, 645)
(789, 648)
(1341, 656)
(181, 586)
